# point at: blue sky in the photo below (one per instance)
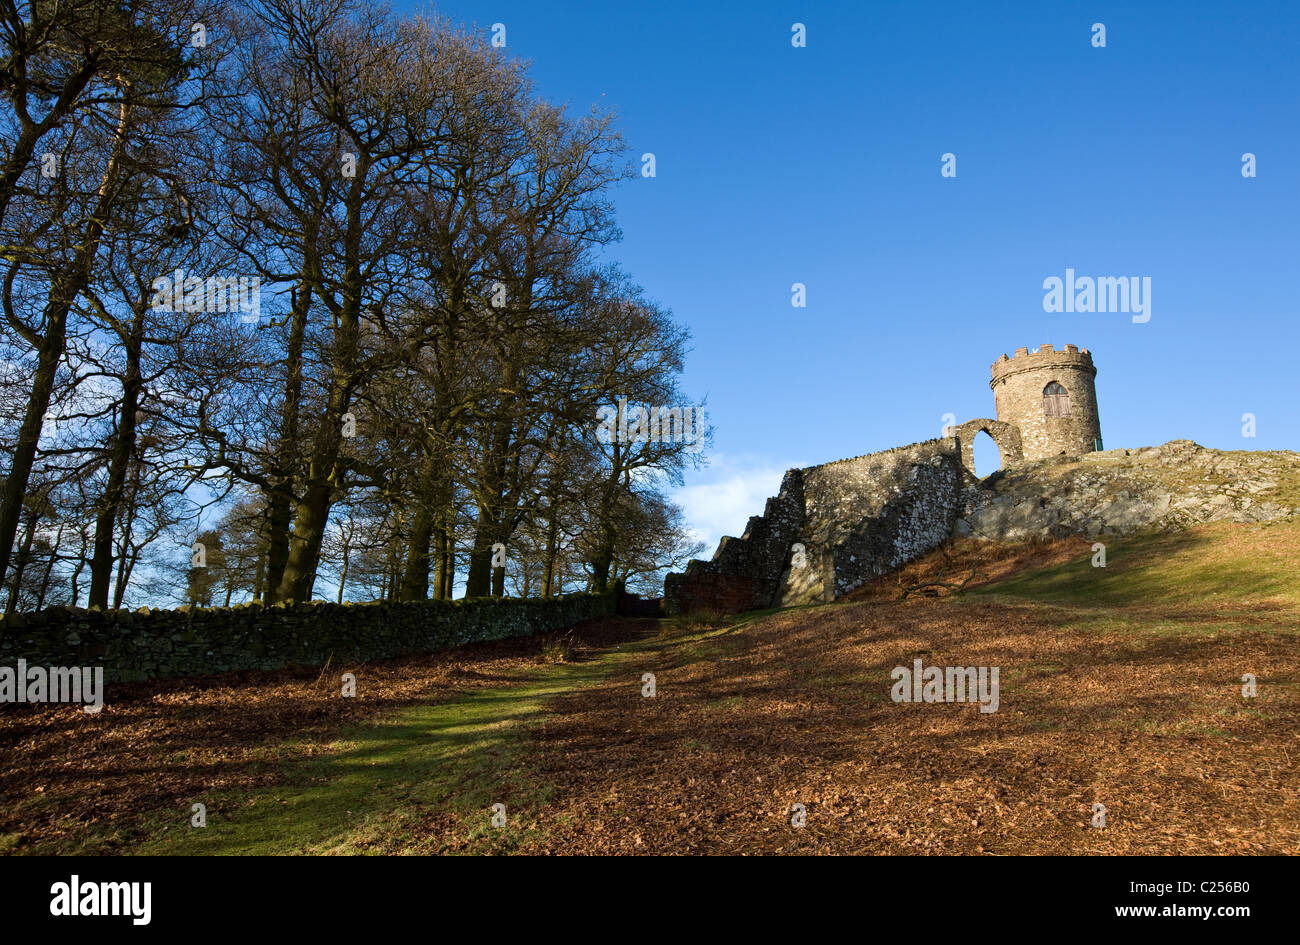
(821, 165)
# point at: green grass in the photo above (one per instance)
(1160, 590)
(381, 777)
(375, 785)
(379, 785)
(1168, 569)
(394, 785)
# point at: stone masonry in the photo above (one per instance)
(1019, 390)
(833, 527)
(830, 529)
(194, 641)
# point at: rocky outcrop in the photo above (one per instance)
(1118, 492)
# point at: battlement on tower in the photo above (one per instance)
(1045, 357)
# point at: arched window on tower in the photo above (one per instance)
(1056, 402)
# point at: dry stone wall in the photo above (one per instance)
(144, 644)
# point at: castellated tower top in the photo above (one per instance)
(1045, 357)
(1051, 398)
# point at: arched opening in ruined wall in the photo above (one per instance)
(988, 458)
(988, 445)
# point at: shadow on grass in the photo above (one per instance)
(425, 762)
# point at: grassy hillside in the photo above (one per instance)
(1119, 686)
(1246, 567)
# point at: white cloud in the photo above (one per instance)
(727, 493)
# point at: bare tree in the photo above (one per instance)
(53, 218)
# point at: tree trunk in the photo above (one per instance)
(279, 501)
(20, 565)
(478, 583)
(126, 556)
(312, 512)
(443, 565)
(29, 435)
(75, 580)
(125, 565)
(552, 533)
(324, 473)
(487, 530)
(415, 582)
(49, 569)
(603, 559)
(101, 563)
(259, 579)
(310, 518)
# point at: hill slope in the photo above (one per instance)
(1118, 686)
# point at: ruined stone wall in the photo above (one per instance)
(1005, 435)
(834, 527)
(831, 528)
(1018, 384)
(744, 572)
(870, 514)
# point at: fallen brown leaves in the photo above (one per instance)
(1136, 708)
(795, 710)
(160, 744)
(969, 563)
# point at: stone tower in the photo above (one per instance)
(1050, 397)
